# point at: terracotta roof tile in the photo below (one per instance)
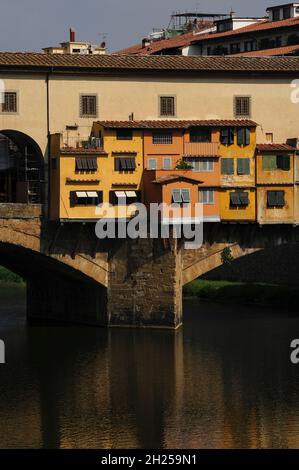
(274, 148)
(179, 124)
(103, 64)
(262, 25)
(82, 151)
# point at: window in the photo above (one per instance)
(243, 136)
(239, 199)
(167, 163)
(86, 164)
(201, 164)
(276, 162)
(123, 198)
(286, 13)
(278, 41)
(207, 196)
(275, 199)
(167, 106)
(180, 196)
(227, 166)
(124, 134)
(243, 166)
(276, 14)
(124, 164)
(9, 102)
(86, 198)
(227, 135)
(242, 106)
(162, 138)
(235, 48)
(203, 134)
(269, 137)
(152, 164)
(88, 106)
(249, 46)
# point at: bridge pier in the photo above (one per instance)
(145, 283)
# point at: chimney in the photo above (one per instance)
(72, 35)
(145, 42)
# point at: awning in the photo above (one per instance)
(120, 194)
(92, 194)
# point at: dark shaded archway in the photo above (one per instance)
(21, 169)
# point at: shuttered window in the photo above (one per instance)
(86, 198)
(88, 106)
(123, 198)
(239, 198)
(227, 135)
(276, 162)
(275, 199)
(125, 164)
(243, 136)
(167, 106)
(284, 162)
(227, 166)
(243, 166)
(9, 102)
(86, 164)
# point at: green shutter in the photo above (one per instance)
(227, 166)
(284, 162)
(240, 136)
(243, 166)
(269, 162)
(247, 136)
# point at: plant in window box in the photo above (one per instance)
(183, 165)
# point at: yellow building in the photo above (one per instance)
(106, 169)
(275, 184)
(237, 151)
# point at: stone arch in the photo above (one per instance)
(206, 260)
(23, 238)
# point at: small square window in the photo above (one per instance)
(88, 106)
(9, 102)
(242, 105)
(167, 106)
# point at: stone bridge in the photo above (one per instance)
(74, 277)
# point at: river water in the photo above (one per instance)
(223, 381)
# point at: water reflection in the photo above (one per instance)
(225, 380)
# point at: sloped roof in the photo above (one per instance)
(103, 64)
(279, 51)
(274, 148)
(176, 124)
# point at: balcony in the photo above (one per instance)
(201, 149)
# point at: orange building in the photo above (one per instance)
(181, 164)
